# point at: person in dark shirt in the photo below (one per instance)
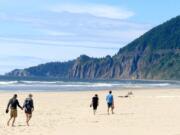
(95, 103)
(28, 108)
(13, 104)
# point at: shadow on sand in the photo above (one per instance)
(116, 114)
(21, 125)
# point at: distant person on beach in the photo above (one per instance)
(13, 103)
(95, 103)
(28, 108)
(127, 95)
(110, 102)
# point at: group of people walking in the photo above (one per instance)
(28, 107)
(109, 100)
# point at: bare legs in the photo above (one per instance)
(9, 121)
(14, 118)
(108, 110)
(112, 110)
(28, 117)
(94, 112)
(13, 121)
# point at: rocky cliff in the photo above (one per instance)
(154, 55)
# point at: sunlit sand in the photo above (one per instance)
(147, 112)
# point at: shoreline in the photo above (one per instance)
(75, 91)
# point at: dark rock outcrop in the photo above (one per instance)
(155, 55)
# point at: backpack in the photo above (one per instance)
(28, 104)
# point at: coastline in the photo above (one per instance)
(57, 86)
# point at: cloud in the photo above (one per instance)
(69, 44)
(95, 30)
(73, 25)
(105, 11)
(72, 30)
(58, 33)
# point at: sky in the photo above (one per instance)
(39, 31)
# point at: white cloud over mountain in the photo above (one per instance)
(95, 10)
(95, 30)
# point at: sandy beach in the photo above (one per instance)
(147, 112)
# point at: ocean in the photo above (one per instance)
(57, 86)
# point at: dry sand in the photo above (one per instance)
(148, 112)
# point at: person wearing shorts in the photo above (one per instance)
(13, 103)
(13, 113)
(110, 102)
(95, 103)
(28, 108)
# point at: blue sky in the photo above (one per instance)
(39, 31)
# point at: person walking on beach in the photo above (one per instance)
(110, 102)
(28, 108)
(95, 103)
(13, 103)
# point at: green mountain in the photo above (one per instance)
(154, 55)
